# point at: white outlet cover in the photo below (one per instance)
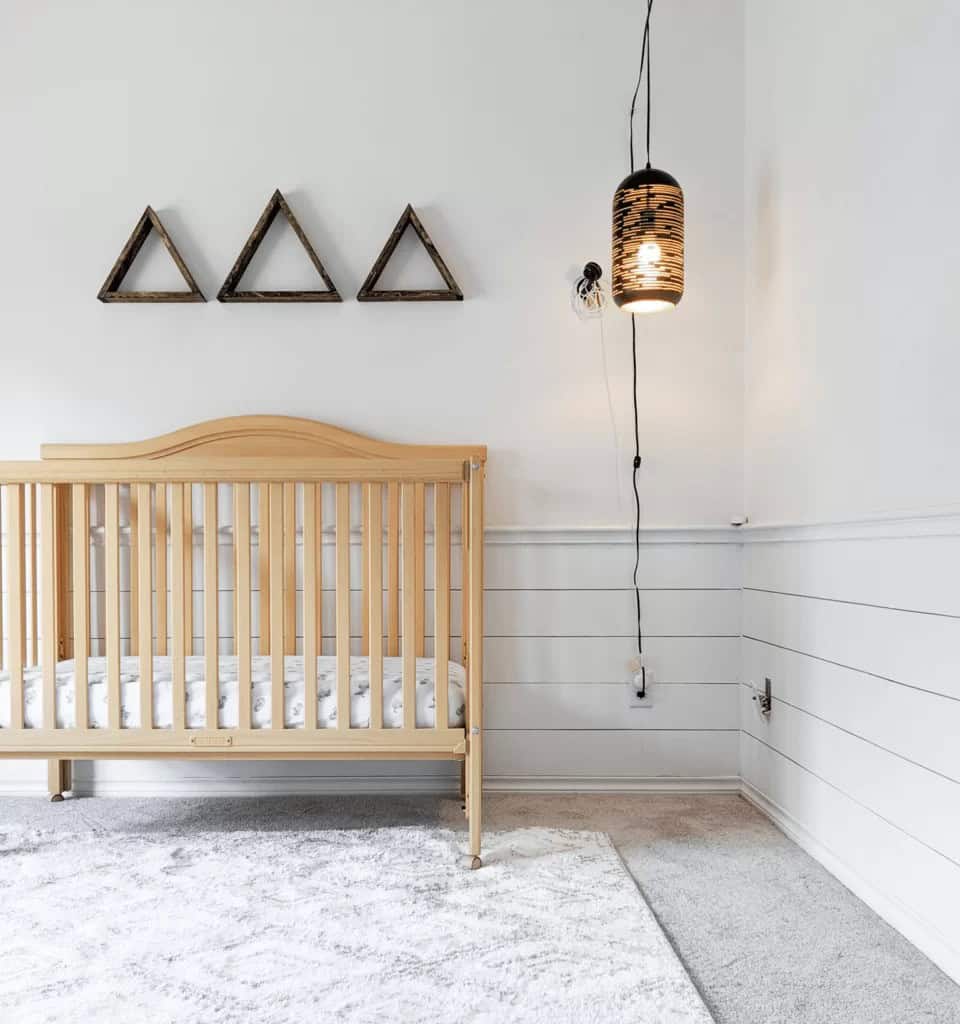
(632, 689)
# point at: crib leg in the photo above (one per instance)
(474, 804)
(59, 779)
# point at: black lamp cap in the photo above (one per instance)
(648, 176)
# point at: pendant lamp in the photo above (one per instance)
(647, 263)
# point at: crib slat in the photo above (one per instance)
(234, 593)
(2, 634)
(409, 608)
(188, 568)
(48, 590)
(134, 572)
(33, 657)
(181, 595)
(276, 606)
(393, 569)
(112, 603)
(310, 588)
(318, 535)
(374, 586)
(160, 529)
(343, 605)
(441, 597)
(81, 599)
(364, 568)
(464, 572)
(263, 564)
(16, 590)
(63, 546)
(145, 605)
(211, 637)
(242, 643)
(289, 568)
(419, 533)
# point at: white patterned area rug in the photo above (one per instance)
(345, 926)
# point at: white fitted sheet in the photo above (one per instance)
(229, 701)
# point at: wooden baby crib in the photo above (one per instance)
(118, 552)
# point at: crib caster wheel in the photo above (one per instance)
(57, 798)
(475, 863)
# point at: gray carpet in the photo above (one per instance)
(768, 935)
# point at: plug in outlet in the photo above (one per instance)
(639, 686)
(764, 698)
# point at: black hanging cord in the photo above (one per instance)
(636, 498)
(649, 61)
(644, 62)
(637, 464)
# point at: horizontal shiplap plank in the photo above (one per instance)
(922, 803)
(916, 649)
(909, 875)
(605, 754)
(604, 659)
(225, 613)
(612, 613)
(918, 573)
(528, 613)
(545, 566)
(328, 647)
(866, 705)
(610, 566)
(225, 567)
(605, 706)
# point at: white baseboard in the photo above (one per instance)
(23, 787)
(576, 784)
(913, 928)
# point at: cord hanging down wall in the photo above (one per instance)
(229, 292)
(110, 290)
(370, 293)
(647, 271)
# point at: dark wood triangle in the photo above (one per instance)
(110, 292)
(369, 292)
(228, 291)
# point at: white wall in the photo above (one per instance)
(851, 363)
(505, 125)
(853, 240)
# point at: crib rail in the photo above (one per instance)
(117, 556)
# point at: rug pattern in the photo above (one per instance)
(355, 926)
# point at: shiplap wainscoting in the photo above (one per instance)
(560, 631)
(858, 628)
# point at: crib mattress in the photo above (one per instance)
(229, 701)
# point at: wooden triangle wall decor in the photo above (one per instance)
(110, 292)
(369, 291)
(228, 292)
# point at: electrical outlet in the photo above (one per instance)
(635, 687)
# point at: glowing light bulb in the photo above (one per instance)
(649, 252)
(648, 262)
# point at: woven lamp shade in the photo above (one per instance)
(648, 242)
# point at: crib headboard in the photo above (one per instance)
(258, 486)
(265, 437)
